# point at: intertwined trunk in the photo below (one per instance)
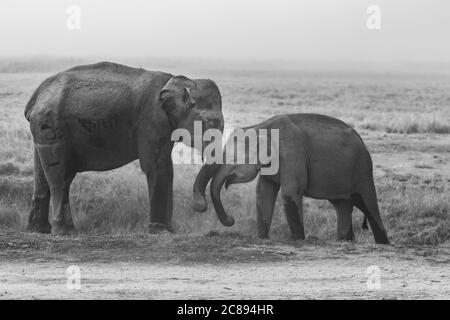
(201, 181)
(216, 185)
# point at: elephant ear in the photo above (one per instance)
(176, 97)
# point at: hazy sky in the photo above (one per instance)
(411, 30)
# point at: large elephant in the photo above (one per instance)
(102, 116)
(319, 157)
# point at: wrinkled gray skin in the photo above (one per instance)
(321, 158)
(102, 116)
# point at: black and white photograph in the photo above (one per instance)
(236, 151)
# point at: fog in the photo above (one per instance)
(319, 30)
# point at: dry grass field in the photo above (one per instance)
(404, 118)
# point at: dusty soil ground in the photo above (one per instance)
(215, 266)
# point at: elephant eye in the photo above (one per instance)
(213, 123)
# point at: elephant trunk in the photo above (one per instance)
(216, 185)
(201, 181)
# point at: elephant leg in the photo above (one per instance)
(159, 182)
(293, 207)
(162, 201)
(266, 196)
(59, 177)
(67, 213)
(344, 209)
(38, 215)
(366, 201)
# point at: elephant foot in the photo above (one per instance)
(296, 237)
(263, 235)
(382, 240)
(155, 228)
(345, 240)
(63, 230)
(39, 227)
(38, 216)
(346, 237)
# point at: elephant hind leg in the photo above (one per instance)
(344, 209)
(38, 215)
(366, 201)
(293, 207)
(59, 175)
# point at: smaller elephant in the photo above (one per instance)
(319, 157)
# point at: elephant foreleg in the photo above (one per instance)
(344, 209)
(158, 169)
(162, 200)
(266, 195)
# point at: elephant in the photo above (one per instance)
(319, 157)
(102, 116)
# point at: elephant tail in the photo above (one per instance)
(364, 224)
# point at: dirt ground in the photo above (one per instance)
(216, 266)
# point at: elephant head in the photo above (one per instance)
(187, 102)
(235, 169)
